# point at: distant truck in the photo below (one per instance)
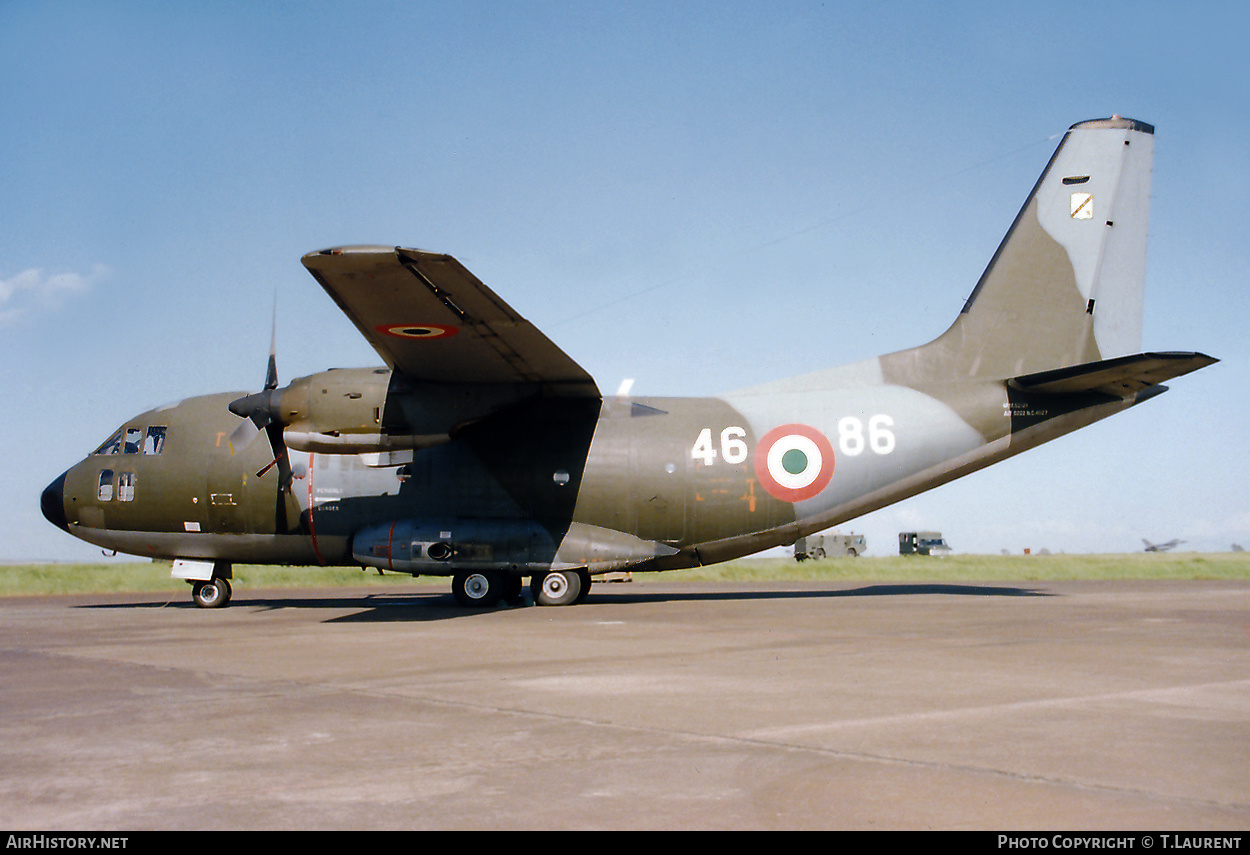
(819, 546)
(922, 543)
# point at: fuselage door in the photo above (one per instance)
(226, 479)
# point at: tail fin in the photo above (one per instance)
(1065, 286)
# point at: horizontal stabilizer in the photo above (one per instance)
(1122, 376)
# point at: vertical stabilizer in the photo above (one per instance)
(1065, 286)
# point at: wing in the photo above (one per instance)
(432, 320)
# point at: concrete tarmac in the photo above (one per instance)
(654, 705)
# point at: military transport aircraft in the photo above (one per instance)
(484, 453)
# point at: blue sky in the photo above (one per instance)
(699, 196)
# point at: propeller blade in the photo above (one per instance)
(243, 435)
(260, 412)
(280, 456)
(271, 376)
(281, 511)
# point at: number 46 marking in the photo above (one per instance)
(852, 440)
(733, 447)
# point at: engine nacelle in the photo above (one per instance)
(444, 547)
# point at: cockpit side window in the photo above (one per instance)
(126, 487)
(154, 443)
(112, 445)
(133, 437)
(105, 490)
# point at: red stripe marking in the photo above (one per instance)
(312, 528)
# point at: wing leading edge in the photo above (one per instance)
(434, 321)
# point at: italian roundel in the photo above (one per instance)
(794, 462)
(419, 331)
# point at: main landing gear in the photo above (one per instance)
(485, 588)
(560, 587)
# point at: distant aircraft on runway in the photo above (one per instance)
(1161, 547)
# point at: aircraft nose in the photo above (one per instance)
(52, 503)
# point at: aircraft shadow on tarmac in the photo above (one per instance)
(439, 605)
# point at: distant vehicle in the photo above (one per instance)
(922, 543)
(1161, 547)
(819, 546)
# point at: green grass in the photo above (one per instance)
(51, 579)
(150, 576)
(966, 568)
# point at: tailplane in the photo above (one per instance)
(1065, 285)
(1121, 377)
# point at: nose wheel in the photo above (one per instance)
(213, 594)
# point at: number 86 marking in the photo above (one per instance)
(880, 439)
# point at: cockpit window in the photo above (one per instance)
(126, 487)
(150, 442)
(105, 490)
(154, 443)
(112, 445)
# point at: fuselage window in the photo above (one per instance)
(112, 445)
(154, 443)
(133, 438)
(105, 492)
(126, 487)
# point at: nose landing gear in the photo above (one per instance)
(210, 581)
(213, 594)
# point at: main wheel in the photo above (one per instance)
(478, 589)
(559, 587)
(213, 594)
